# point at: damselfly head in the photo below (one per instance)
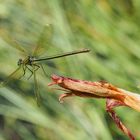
(20, 61)
(31, 58)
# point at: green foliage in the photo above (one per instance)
(109, 28)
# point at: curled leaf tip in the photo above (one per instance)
(56, 79)
(52, 83)
(62, 96)
(61, 99)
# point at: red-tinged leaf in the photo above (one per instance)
(115, 96)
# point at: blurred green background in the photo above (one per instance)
(111, 29)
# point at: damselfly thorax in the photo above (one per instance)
(28, 63)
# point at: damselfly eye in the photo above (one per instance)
(31, 58)
(19, 62)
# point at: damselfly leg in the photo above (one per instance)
(36, 67)
(36, 91)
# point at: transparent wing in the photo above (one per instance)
(36, 90)
(44, 40)
(13, 43)
(18, 47)
(16, 74)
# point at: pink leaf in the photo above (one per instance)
(115, 96)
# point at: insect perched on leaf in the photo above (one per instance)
(114, 96)
(31, 63)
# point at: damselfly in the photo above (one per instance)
(31, 63)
